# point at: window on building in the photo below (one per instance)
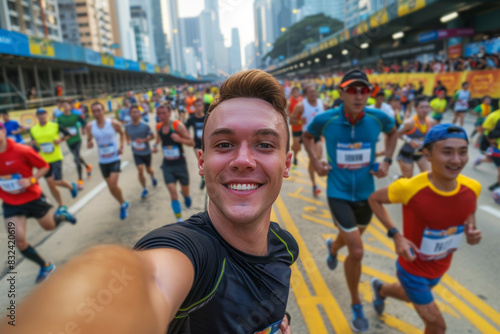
(14, 21)
(12, 6)
(81, 14)
(83, 24)
(26, 10)
(80, 4)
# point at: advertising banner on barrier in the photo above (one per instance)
(120, 63)
(452, 80)
(484, 83)
(406, 7)
(107, 60)
(92, 57)
(14, 43)
(41, 47)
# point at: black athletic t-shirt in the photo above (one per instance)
(197, 124)
(232, 292)
(173, 152)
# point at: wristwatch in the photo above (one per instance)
(33, 181)
(392, 232)
(388, 160)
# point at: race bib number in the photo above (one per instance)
(138, 146)
(353, 156)
(47, 147)
(171, 152)
(199, 133)
(272, 329)
(73, 130)
(106, 151)
(438, 244)
(10, 184)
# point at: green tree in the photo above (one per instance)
(296, 37)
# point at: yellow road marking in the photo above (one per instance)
(318, 221)
(331, 308)
(304, 198)
(314, 211)
(297, 180)
(294, 172)
(311, 314)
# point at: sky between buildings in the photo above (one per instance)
(232, 14)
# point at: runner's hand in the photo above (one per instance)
(120, 150)
(415, 144)
(155, 149)
(175, 137)
(404, 248)
(90, 144)
(472, 234)
(139, 140)
(285, 326)
(322, 167)
(57, 141)
(24, 182)
(383, 170)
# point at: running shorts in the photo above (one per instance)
(34, 209)
(55, 170)
(142, 160)
(112, 167)
(176, 172)
(417, 288)
(349, 215)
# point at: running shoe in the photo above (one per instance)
(74, 190)
(79, 186)
(89, 170)
(359, 323)
(493, 186)
(316, 191)
(155, 182)
(496, 195)
(202, 184)
(66, 216)
(179, 220)
(62, 208)
(478, 160)
(331, 260)
(295, 162)
(45, 272)
(187, 202)
(124, 210)
(144, 193)
(377, 301)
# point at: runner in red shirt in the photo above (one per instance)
(296, 128)
(438, 209)
(23, 198)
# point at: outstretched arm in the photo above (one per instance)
(110, 289)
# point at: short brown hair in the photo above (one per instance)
(254, 84)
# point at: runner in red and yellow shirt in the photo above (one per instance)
(296, 128)
(438, 210)
(23, 198)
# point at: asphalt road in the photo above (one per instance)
(319, 300)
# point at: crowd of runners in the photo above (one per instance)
(346, 122)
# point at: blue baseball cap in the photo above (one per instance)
(41, 111)
(442, 132)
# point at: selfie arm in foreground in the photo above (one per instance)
(109, 289)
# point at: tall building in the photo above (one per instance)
(250, 57)
(264, 31)
(190, 33)
(140, 25)
(190, 61)
(36, 18)
(159, 36)
(207, 36)
(235, 52)
(356, 11)
(172, 23)
(147, 7)
(123, 33)
(69, 26)
(332, 8)
(95, 24)
(282, 13)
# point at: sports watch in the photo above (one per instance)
(33, 181)
(392, 232)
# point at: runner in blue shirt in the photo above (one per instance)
(351, 132)
(13, 128)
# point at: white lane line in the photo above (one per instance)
(91, 194)
(490, 210)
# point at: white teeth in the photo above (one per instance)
(242, 187)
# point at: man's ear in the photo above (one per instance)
(288, 164)
(201, 163)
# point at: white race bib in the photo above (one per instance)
(138, 146)
(199, 133)
(438, 244)
(171, 152)
(353, 156)
(10, 184)
(47, 147)
(106, 151)
(73, 130)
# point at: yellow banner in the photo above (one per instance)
(41, 46)
(406, 7)
(379, 18)
(481, 82)
(107, 59)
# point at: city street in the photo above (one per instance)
(319, 301)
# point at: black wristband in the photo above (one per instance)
(392, 232)
(288, 317)
(388, 160)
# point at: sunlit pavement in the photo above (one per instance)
(319, 300)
